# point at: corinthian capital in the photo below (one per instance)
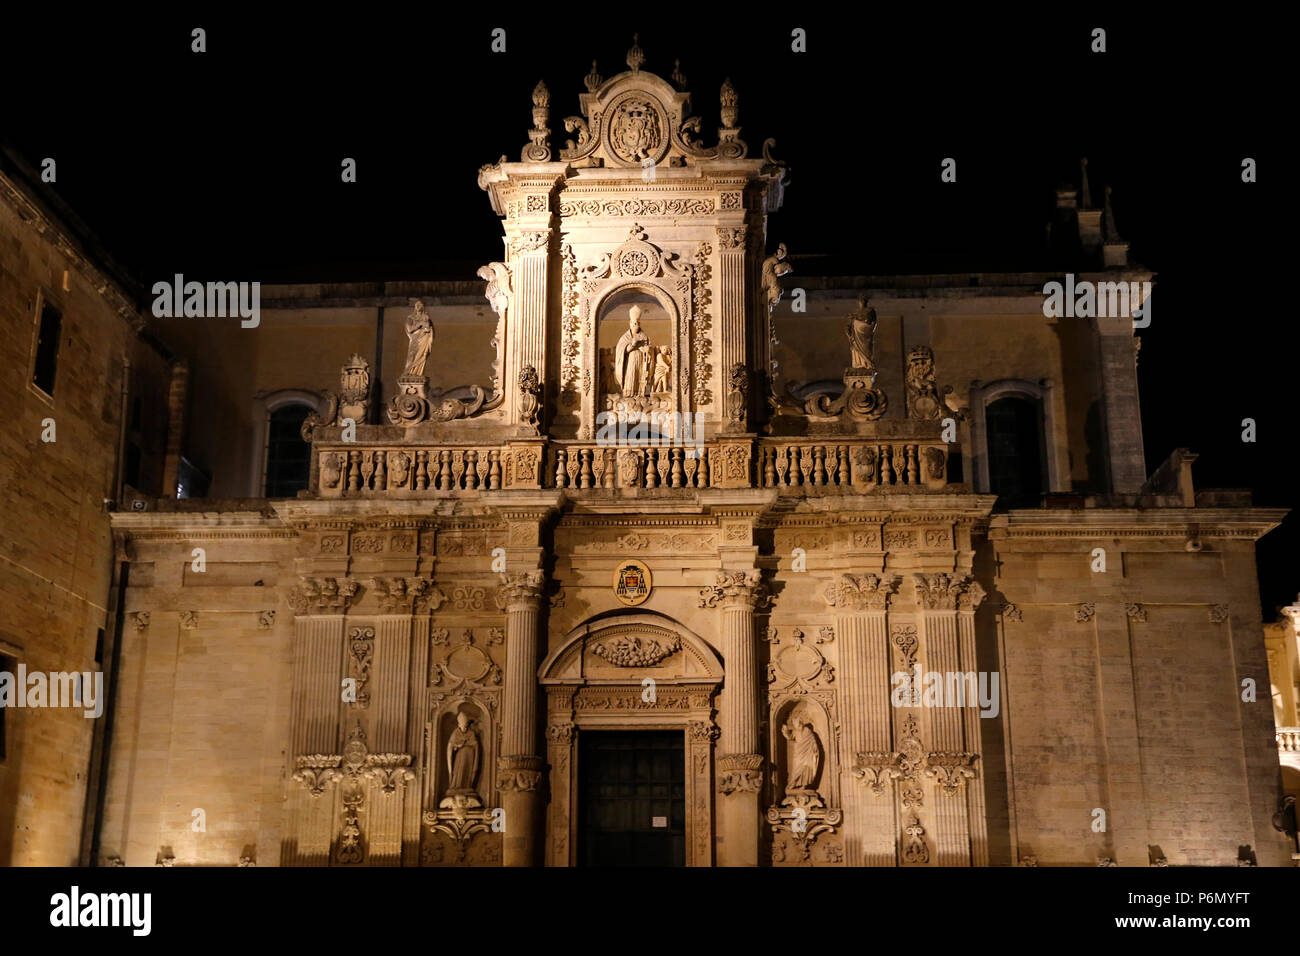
(519, 588)
(735, 587)
(861, 592)
(947, 592)
(322, 596)
(519, 773)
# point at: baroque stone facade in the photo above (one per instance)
(407, 663)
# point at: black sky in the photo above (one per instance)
(226, 164)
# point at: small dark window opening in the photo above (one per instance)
(47, 349)
(288, 457)
(7, 666)
(1015, 452)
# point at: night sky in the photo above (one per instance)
(226, 164)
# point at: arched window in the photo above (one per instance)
(288, 457)
(1015, 455)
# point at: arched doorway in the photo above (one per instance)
(630, 734)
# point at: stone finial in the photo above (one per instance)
(635, 56)
(593, 79)
(537, 150)
(678, 77)
(1109, 232)
(730, 104)
(1085, 194)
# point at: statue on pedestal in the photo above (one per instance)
(462, 765)
(861, 333)
(419, 334)
(632, 357)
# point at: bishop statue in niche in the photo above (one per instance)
(640, 368)
(632, 357)
(803, 761)
(462, 764)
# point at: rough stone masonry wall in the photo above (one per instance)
(55, 543)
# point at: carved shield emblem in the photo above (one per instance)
(632, 583)
(636, 131)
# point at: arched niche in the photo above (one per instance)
(634, 272)
(803, 708)
(442, 724)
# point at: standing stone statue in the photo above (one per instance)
(804, 756)
(632, 357)
(861, 333)
(663, 369)
(775, 266)
(419, 334)
(462, 761)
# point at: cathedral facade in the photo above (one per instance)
(718, 565)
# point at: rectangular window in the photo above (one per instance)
(47, 348)
(10, 666)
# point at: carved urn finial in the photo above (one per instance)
(678, 77)
(635, 56)
(730, 105)
(530, 390)
(593, 79)
(537, 150)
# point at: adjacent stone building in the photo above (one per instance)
(670, 554)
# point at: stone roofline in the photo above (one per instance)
(324, 295)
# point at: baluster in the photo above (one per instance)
(444, 470)
(421, 470)
(481, 466)
(575, 465)
(586, 480)
(819, 465)
(769, 467)
(677, 467)
(494, 469)
(354, 475)
(664, 456)
(706, 467)
(561, 475)
(381, 471)
(886, 465)
(472, 468)
(690, 466)
(913, 466)
(843, 454)
(651, 473)
(806, 463)
(782, 466)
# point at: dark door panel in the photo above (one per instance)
(628, 783)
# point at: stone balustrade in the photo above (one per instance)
(797, 466)
(1288, 740)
